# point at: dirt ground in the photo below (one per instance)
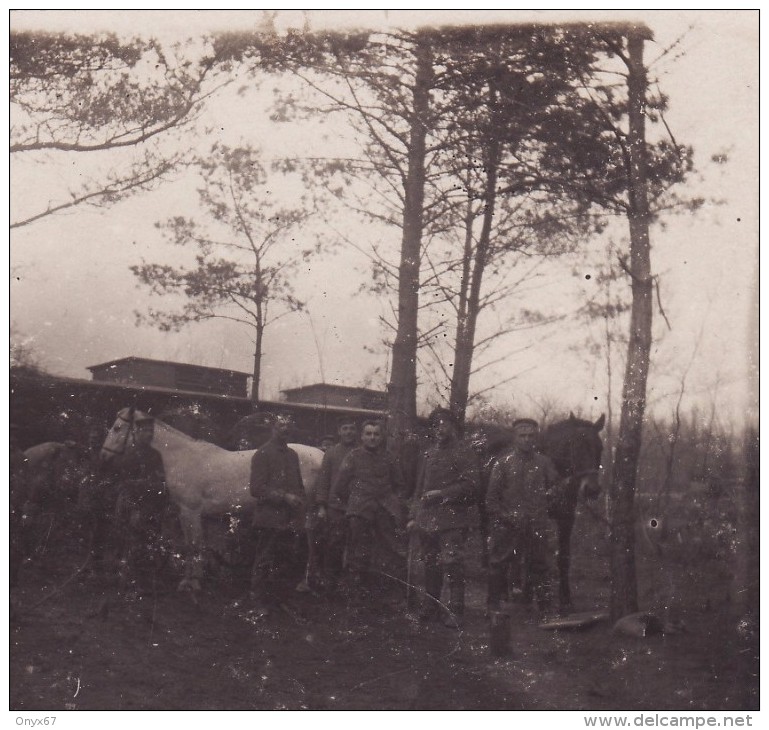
(166, 652)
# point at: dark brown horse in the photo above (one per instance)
(575, 447)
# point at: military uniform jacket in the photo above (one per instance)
(274, 474)
(521, 487)
(453, 470)
(329, 470)
(373, 481)
(143, 480)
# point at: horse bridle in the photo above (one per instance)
(129, 433)
(579, 475)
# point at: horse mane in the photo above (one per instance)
(568, 423)
(169, 428)
(177, 432)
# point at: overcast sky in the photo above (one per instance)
(74, 297)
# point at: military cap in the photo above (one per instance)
(442, 414)
(346, 421)
(525, 422)
(273, 417)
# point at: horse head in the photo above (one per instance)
(575, 446)
(120, 437)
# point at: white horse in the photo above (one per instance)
(202, 478)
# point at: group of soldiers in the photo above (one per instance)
(360, 505)
(359, 508)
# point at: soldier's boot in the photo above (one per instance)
(261, 600)
(125, 579)
(257, 605)
(456, 581)
(314, 578)
(544, 602)
(497, 586)
(259, 597)
(431, 607)
(333, 567)
(354, 584)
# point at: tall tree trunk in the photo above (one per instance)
(464, 282)
(402, 390)
(465, 344)
(624, 589)
(257, 364)
(609, 378)
(465, 336)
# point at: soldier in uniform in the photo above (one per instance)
(446, 489)
(330, 526)
(279, 515)
(142, 504)
(327, 442)
(372, 479)
(96, 500)
(520, 494)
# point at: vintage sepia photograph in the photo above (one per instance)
(384, 360)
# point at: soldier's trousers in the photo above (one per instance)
(96, 505)
(142, 552)
(142, 549)
(278, 558)
(443, 547)
(327, 542)
(366, 535)
(443, 553)
(524, 544)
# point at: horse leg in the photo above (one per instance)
(192, 527)
(565, 525)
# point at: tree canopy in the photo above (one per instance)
(91, 94)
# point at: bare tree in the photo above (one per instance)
(383, 83)
(627, 174)
(245, 255)
(410, 96)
